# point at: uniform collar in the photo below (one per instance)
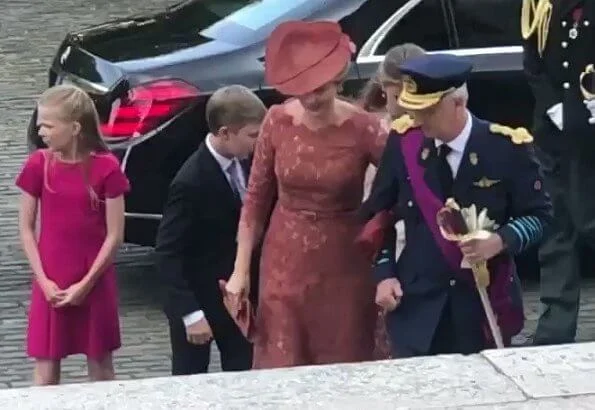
(459, 143)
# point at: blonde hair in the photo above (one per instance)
(234, 105)
(74, 105)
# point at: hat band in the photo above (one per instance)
(413, 101)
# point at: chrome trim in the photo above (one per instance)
(504, 58)
(125, 158)
(463, 52)
(370, 46)
(82, 83)
(134, 215)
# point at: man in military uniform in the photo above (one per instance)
(559, 43)
(448, 153)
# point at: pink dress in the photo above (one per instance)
(72, 230)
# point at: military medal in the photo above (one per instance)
(573, 32)
(576, 16)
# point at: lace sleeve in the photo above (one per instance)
(262, 189)
(375, 136)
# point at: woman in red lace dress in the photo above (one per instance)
(316, 300)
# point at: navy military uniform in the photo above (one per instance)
(439, 312)
(559, 44)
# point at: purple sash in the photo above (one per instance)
(510, 318)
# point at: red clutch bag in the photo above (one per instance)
(371, 237)
(243, 314)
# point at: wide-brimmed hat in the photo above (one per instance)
(303, 56)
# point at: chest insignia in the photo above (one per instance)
(473, 158)
(486, 182)
(516, 135)
(402, 124)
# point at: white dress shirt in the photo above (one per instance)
(457, 146)
(224, 163)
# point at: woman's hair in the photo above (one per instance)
(74, 105)
(390, 68)
(371, 97)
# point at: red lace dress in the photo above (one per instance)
(316, 297)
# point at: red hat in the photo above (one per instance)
(303, 56)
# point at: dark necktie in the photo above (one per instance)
(234, 180)
(445, 171)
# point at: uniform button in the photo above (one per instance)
(586, 23)
(565, 64)
(566, 85)
(453, 282)
(564, 44)
(564, 24)
(410, 204)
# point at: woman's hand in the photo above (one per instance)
(75, 295)
(238, 286)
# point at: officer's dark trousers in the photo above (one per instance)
(571, 183)
(452, 336)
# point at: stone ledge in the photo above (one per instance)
(552, 377)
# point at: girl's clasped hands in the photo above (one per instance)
(74, 295)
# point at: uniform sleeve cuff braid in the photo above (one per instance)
(511, 238)
(384, 269)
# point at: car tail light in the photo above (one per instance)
(146, 107)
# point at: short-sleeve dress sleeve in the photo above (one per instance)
(116, 183)
(30, 179)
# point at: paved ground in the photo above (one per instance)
(30, 31)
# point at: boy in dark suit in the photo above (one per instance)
(196, 241)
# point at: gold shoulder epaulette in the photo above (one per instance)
(516, 135)
(402, 124)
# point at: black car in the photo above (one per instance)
(151, 75)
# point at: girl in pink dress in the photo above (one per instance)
(78, 187)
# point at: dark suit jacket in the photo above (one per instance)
(196, 240)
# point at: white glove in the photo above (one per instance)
(590, 104)
(556, 114)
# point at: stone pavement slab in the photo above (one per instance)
(523, 378)
(433, 382)
(558, 403)
(549, 371)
